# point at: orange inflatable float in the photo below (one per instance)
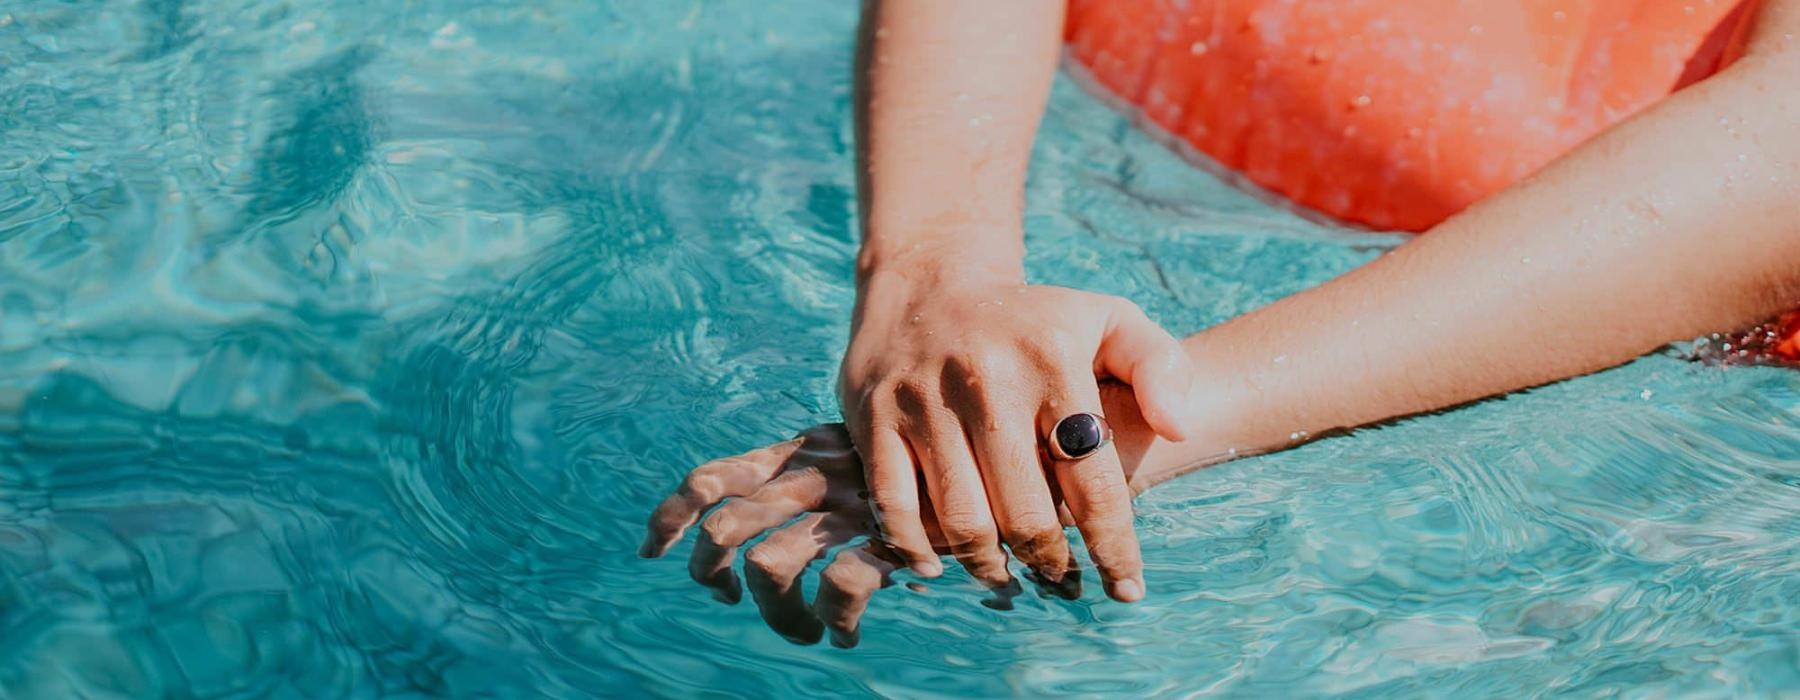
(1395, 114)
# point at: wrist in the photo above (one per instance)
(892, 282)
(942, 252)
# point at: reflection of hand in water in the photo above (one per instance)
(816, 475)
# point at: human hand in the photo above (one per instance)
(957, 380)
(817, 475)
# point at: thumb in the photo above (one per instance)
(1138, 352)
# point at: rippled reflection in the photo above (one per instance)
(344, 347)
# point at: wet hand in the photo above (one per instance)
(816, 475)
(948, 388)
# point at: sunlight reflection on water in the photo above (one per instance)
(344, 347)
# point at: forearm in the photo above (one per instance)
(1682, 221)
(950, 100)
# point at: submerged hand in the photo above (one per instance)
(816, 475)
(956, 382)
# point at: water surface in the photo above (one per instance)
(344, 347)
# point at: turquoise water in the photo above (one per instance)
(345, 346)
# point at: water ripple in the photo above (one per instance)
(344, 348)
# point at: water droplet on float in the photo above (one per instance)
(1688, 9)
(1360, 102)
(1526, 260)
(1559, 15)
(1198, 48)
(1475, 29)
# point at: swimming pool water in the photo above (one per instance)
(345, 346)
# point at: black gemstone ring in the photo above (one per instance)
(1078, 436)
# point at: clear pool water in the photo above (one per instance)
(344, 347)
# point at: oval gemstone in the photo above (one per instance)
(1080, 435)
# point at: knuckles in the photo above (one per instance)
(1101, 492)
(846, 574)
(966, 338)
(718, 527)
(705, 482)
(891, 507)
(765, 561)
(984, 362)
(1032, 535)
(961, 526)
(912, 394)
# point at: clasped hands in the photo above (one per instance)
(949, 397)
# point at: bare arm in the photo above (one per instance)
(955, 364)
(1681, 221)
(951, 102)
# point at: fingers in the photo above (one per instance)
(894, 491)
(959, 497)
(1137, 351)
(705, 486)
(1017, 489)
(786, 497)
(844, 590)
(773, 568)
(1099, 499)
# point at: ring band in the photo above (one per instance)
(1079, 436)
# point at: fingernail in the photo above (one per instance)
(1128, 590)
(929, 568)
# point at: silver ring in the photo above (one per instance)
(1079, 436)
